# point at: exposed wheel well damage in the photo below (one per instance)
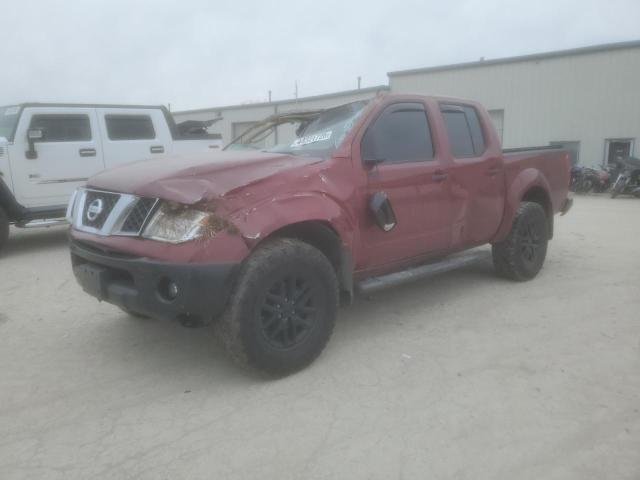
(322, 236)
(539, 195)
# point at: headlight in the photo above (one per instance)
(175, 223)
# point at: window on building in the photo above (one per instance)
(129, 127)
(400, 134)
(464, 130)
(62, 127)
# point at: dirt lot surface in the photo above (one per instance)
(463, 376)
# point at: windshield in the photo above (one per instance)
(324, 134)
(8, 120)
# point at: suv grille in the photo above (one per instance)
(136, 219)
(97, 207)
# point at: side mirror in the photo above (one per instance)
(382, 211)
(33, 135)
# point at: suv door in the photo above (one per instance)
(412, 175)
(68, 153)
(476, 174)
(133, 134)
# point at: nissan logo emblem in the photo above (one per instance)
(95, 209)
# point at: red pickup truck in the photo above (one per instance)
(265, 242)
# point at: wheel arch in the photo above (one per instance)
(537, 194)
(323, 236)
(529, 185)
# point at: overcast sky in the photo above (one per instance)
(196, 54)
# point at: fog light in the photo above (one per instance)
(168, 289)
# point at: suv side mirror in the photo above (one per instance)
(33, 135)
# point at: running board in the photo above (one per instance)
(42, 223)
(448, 264)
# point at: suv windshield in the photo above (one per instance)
(8, 120)
(324, 134)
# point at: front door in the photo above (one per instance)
(398, 154)
(69, 152)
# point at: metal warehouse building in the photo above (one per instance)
(586, 98)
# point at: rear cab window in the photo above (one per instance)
(464, 130)
(62, 127)
(400, 134)
(129, 127)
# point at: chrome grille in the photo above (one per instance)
(138, 215)
(1, 151)
(110, 213)
(106, 201)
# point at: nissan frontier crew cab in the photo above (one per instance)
(264, 243)
(48, 150)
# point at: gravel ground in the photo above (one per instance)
(463, 376)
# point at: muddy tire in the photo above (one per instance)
(283, 308)
(4, 228)
(521, 255)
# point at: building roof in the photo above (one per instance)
(521, 58)
(376, 88)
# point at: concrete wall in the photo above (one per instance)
(240, 115)
(586, 97)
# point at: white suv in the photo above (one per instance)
(48, 150)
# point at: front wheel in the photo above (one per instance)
(4, 228)
(520, 256)
(283, 308)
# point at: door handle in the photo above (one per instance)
(87, 152)
(156, 149)
(439, 176)
(493, 171)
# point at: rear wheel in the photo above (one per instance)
(283, 308)
(4, 228)
(521, 255)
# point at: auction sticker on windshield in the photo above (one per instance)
(316, 137)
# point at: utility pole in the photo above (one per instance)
(269, 96)
(296, 91)
(359, 81)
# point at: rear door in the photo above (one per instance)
(131, 134)
(476, 175)
(69, 153)
(413, 177)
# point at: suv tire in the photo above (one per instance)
(283, 308)
(520, 256)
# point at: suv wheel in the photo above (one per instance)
(520, 256)
(283, 308)
(4, 228)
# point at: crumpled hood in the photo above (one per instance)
(194, 178)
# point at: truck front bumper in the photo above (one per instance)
(188, 292)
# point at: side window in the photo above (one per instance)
(62, 127)
(129, 127)
(464, 130)
(400, 134)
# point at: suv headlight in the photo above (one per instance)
(175, 223)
